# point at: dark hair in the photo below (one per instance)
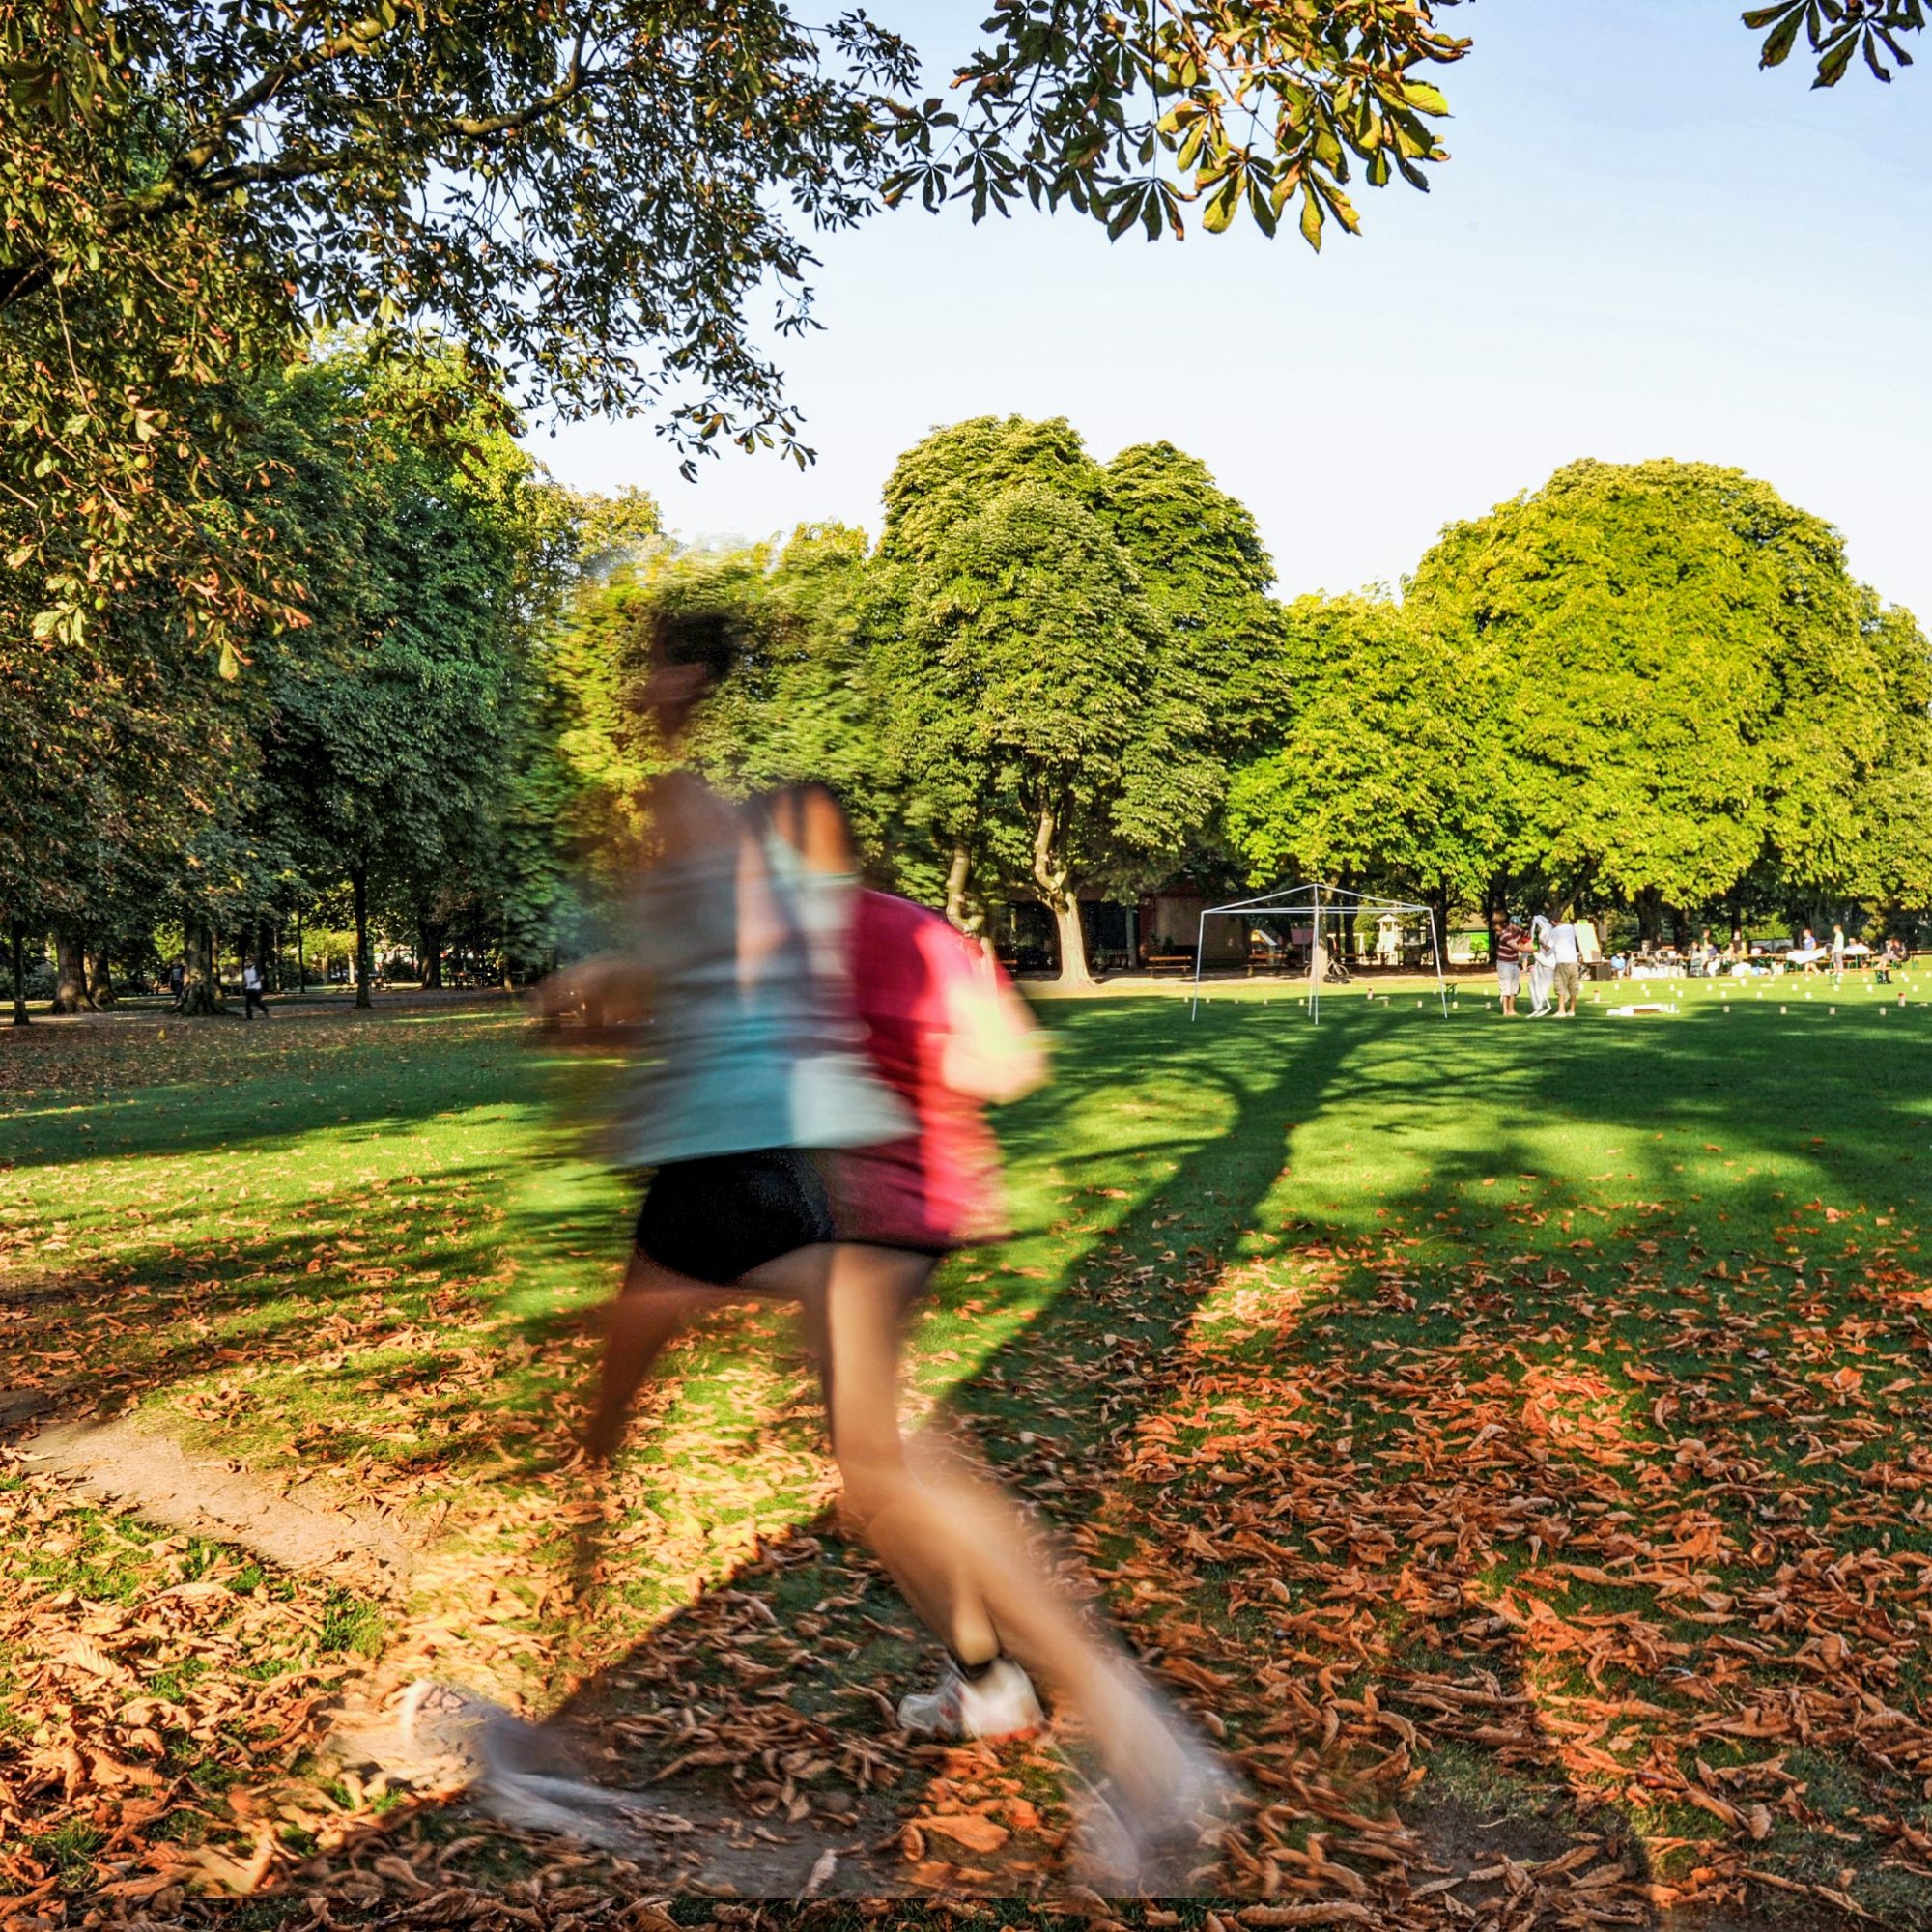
(712, 638)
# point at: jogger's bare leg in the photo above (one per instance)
(956, 1547)
(653, 1305)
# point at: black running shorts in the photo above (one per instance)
(718, 1219)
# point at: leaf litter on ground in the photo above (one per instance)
(1637, 1541)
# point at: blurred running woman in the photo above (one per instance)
(770, 1124)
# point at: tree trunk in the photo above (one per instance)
(71, 973)
(1072, 937)
(358, 884)
(1438, 904)
(19, 940)
(301, 958)
(430, 946)
(201, 985)
(1051, 880)
(100, 977)
(958, 876)
(1649, 915)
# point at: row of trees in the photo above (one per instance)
(589, 200)
(380, 747)
(1652, 686)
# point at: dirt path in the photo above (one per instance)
(293, 1524)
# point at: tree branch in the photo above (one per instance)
(189, 182)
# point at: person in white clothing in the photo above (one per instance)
(1543, 964)
(1568, 971)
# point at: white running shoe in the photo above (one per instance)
(1124, 1846)
(1000, 1703)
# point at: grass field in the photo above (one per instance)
(1507, 1426)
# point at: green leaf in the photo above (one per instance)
(1778, 48)
(1311, 217)
(1222, 205)
(1831, 69)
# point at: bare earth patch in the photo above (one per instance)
(292, 1525)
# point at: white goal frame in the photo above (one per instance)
(1316, 903)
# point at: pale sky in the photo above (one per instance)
(1642, 247)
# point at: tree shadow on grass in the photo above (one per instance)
(193, 1088)
(1486, 1662)
(740, 1673)
(1107, 1348)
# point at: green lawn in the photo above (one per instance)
(1522, 1421)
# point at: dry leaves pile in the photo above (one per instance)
(132, 1708)
(1654, 1601)
(1522, 1595)
(1656, 1545)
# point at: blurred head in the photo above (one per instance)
(690, 654)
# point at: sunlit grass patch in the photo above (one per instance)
(1529, 1414)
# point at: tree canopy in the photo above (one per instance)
(1052, 738)
(385, 742)
(1385, 768)
(596, 198)
(1697, 690)
(593, 197)
(1838, 32)
(1036, 678)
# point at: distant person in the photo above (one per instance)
(1542, 962)
(177, 983)
(1808, 953)
(252, 1001)
(1837, 950)
(1512, 943)
(1568, 973)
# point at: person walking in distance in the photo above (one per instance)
(1566, 971)
(253, 1002)
(815, 1139)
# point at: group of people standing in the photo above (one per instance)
(1556, 949)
